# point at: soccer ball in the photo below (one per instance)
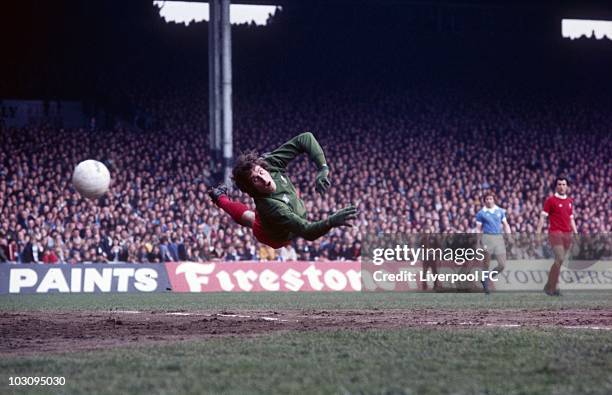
(91, 179)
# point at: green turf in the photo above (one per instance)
(271, 301)
(415, 361)
(411, 361)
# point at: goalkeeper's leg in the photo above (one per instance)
(239, 212)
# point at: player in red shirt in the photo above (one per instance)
(559, 209)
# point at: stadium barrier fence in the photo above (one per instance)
(254, 276)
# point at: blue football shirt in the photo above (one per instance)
(491, 220)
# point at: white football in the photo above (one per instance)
(91, 179)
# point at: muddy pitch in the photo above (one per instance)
(24, 333)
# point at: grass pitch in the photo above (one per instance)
(288, 301)
(391, 361)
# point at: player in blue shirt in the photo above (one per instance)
(491, 224)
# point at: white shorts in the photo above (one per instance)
(494, 244)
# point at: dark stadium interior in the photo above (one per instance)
(420, 107)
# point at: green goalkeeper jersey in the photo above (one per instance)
(282, 213)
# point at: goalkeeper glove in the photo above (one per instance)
(341, 217)
(322, 182)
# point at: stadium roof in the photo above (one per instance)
(584, 9)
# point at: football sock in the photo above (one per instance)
(553, 277)
(234, 209)
(556, 270)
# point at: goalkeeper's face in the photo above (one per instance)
(262, 181)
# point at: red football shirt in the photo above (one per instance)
(560, 211)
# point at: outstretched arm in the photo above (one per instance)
(313, 230)
(302, 143)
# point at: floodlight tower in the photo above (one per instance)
(220, 85)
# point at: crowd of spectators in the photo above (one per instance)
(411, 162)
(415, 127)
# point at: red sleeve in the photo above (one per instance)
(547, 206)
(571, 207)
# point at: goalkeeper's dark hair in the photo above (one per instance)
(243, 167)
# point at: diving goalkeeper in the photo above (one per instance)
(280, 215)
